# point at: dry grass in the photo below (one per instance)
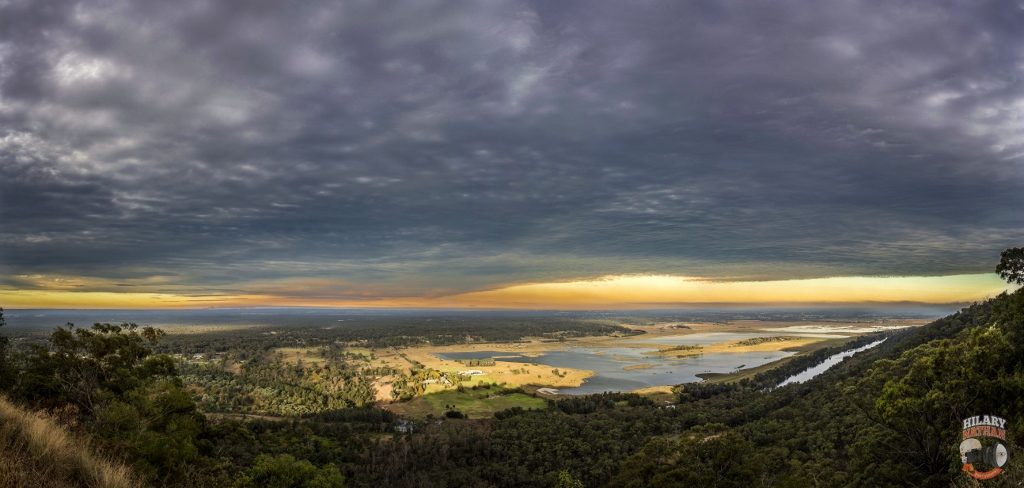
(35, 452)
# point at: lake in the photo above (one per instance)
(608, 365)
(707, 338)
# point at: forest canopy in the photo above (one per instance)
(888, 416)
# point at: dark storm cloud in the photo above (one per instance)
(430, 147)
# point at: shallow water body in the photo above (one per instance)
(608, 365)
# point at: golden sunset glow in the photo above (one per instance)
(640, 290)
(80, 299)
(605, 292)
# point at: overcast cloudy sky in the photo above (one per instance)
(392, 150)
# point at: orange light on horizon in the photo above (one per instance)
(663, 290)
(611, 292)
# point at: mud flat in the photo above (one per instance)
(663, 355)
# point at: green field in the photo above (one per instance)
(475, 404)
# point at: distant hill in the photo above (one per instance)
(36, 452)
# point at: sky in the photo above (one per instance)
(577, 154)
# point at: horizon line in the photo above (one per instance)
(653, 307)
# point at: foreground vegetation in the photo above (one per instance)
(888, 416)
(37, 452)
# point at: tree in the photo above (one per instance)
(6, 376)
(567, 480)
(1011, 265)
(130, 398)
(284, 471)
(707, 455)
(86, 367)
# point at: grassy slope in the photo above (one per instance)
(36, 452)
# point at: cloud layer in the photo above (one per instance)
(416, 148)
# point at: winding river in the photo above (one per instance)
(828, 363)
